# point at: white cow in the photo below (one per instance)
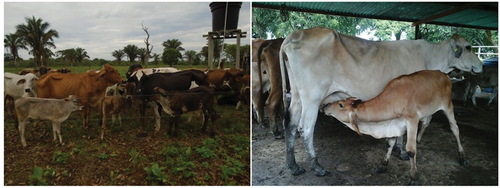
(321, 63)
(18, 86)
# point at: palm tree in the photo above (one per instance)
(118, 54)
(173, 43)
(189, 55)
(142, 55)
(80, 55)
(46, 54)
(68, 55)
(132, 51)
(14, 42)
(36, 34)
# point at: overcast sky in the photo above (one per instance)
(101, 28)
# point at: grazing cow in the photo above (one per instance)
(89, 86)
(177, 81)
(178, 102)
(408, 99)
(55, 110)
(258, 89)
(113, 104)
(268, 55)
(321, 62)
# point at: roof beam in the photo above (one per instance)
(446, 13)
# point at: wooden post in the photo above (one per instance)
(238, 66)
(210, 52)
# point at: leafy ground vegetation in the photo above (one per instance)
(130, 155)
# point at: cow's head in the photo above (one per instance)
(344, 110)
(74, 102)
(29, 82)
(141, 79)
(462, 57)
(110, 75)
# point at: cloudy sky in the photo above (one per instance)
(101, 28)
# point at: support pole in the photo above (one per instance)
(238, 66)
(210, 52)
(417, 32)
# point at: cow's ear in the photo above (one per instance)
(21, 81)
(356, 102)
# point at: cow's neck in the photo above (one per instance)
(436, 56)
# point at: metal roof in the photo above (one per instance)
(479, 15)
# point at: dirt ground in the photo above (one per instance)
(351, 159)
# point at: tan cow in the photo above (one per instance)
(322, 63)
(89, 86)
(407, 98)
(268, 56)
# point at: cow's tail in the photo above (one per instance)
(284, 78)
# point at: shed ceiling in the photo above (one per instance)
(479, 15)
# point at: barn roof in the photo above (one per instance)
(479, 15)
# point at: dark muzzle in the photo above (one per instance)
(27, 90)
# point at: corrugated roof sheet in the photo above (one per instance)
(481, 15)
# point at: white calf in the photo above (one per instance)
(55, 110)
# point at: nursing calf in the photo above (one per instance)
(55, 110)
(177, 103)
(407, 99)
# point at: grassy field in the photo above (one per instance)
(130, 155)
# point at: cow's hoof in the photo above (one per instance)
(404, 156)
(298, 171)
(278, 135)
(413, 182)
(322, 173)
(380, 169)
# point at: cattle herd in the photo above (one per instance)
(53, 96)
(382, 89)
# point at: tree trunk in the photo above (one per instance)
(488, 32)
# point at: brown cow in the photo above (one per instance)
(90, 87)
(268, 55)
(244, 96)
(257, 89)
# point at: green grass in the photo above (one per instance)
(192, 158)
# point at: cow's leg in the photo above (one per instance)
(85, 112)
(474, 99)
(425, 122)
(257, 103)
(21, 127)
(272, 104)
(206, 113)
(399, 149)
(308, 121)
(454, 128)
(103, 126)
(493, 95)
(411, 148)
(58, 126)
(142, 109)
(54, 131)
(157, 116)
(382, 167)
(467, 91)
(113, 118)
(176, 120)
(214, 117)
(120, 119)
(170, 125)
(291, 119)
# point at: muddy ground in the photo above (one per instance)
(352, 158)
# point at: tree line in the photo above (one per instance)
(36, 36)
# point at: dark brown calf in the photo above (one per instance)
(177, 103)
